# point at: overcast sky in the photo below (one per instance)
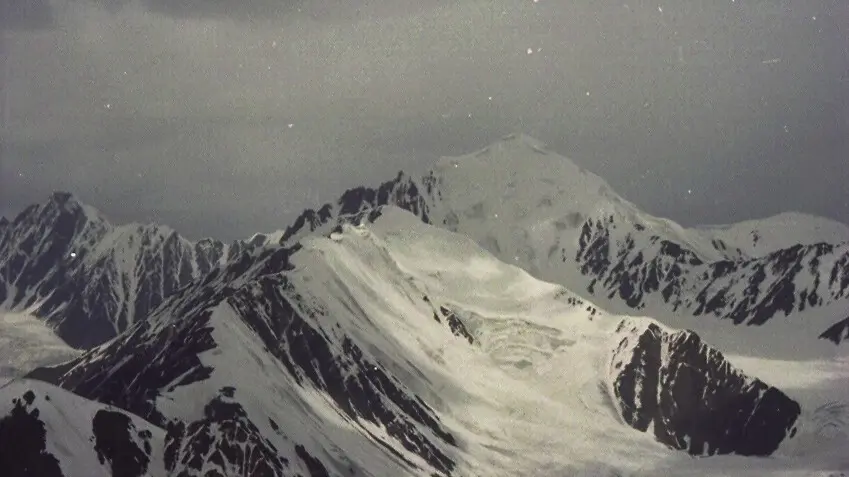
(223, 117)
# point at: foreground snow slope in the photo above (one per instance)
(49, 432)
(396, 348)
(820, 384)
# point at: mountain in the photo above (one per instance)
(89, 279)
(563, 224)
(408, 346)
(528, 206)
(762, 236)
(398, 348)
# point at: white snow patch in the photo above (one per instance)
(68, 424)
(27, 343)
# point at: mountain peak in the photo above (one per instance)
(518, 173)
(520, 139)
(66, 201)
(62, 197)
(512, 144)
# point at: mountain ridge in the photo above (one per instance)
(609, 237)
(366, 351)
(406, 329)
(550, 216)
(65, 263)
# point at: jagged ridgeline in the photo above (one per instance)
(397, 348)
(469, 322)
(91, 279)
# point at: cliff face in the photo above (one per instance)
(685, 392)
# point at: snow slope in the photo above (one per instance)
(521, 196)
(49, 432)
(26, 343)
(539, 210)
(761, 236)
(397, 348)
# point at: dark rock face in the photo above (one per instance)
(225, 442)
(115, 442)
(745, 290)
(308, 221)
(619, 268)
(457, 326)
(23, 442)
(88, 278)
(356, 384)
(401, 191)
(838, 332)
(316, 468)
(151, 359)
(693, 398)
(357, 204)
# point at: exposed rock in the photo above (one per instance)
(687, 394)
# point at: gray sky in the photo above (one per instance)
(178, 111)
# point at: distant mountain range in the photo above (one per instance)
(406, 330)
(90, 279)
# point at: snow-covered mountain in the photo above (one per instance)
(88, 279)
(762, 236)
(398, 348)
(539, 210)
(526, 205)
